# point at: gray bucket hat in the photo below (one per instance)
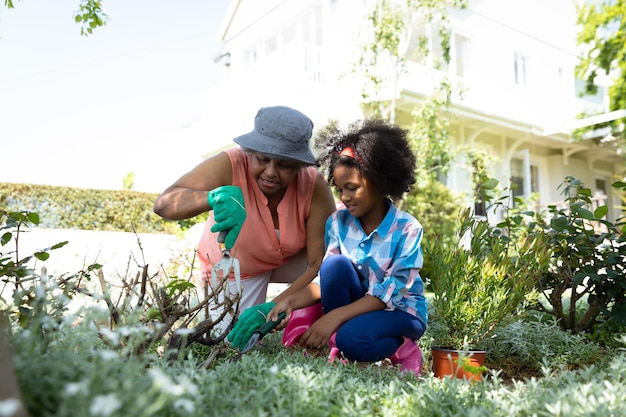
(282, 133)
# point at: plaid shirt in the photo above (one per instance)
(387, 261)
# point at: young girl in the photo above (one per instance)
(369, 284)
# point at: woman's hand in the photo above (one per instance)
(247, 323)
(229, 212)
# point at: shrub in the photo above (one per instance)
(437, 208)
(535, 343)
(89, 209)
(587, 277)
(478, 284)
(81, 365)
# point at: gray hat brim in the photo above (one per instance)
(274, 148)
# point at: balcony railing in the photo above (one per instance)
(298, 62)
(539, 105)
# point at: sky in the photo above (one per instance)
(85, 111)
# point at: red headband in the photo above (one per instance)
(349, 152)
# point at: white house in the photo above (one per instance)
(515, 59)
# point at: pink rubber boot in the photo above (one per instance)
(408, 356)
(335, 353)
(299, 322)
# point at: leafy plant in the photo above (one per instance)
(77, 370)
(481, 277)
(468, 366)
(90, 209)
(16, 271)
(603, 35)
(79, 373)
(155, 309)
(437, 208)
(533, 342)
(89, 15)
(588, 267)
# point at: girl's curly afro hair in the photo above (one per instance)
(381, 152)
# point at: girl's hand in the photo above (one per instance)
(282, 305)
(318, 334)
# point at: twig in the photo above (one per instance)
(115, 315)
(144, 277)
(217, 351)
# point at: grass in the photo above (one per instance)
(72, 365)
(76, 374)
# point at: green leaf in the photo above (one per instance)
(42, 256)
(490, 184)
(6, 238)
(579, 277)
(154, 313)
(579, 210)
(600, 212)
(59, 245)
(179, 286)
(559, 223)
(585, 214)
(33, 218)
(612, 274)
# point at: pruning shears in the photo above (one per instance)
(262, 330)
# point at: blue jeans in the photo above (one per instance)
(371, 336)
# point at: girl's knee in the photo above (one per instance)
(335, 265)
(360, 349)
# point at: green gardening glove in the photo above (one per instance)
(229, 212)
(251, 319)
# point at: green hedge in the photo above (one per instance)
(89, 209)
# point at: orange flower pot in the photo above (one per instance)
(446, 362)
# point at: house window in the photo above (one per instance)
(519, 69)
(461, 55)
(438, 52)
(600, 196)
(312, 26)
(418, 44)
(249, 56)
(271, 44)
(524, 177)
(312, 35)
(289, 34)
(459, 50)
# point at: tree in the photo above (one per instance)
(603, 32)
(393, 36)
(89, 15)
(399, 31)
(129, 181)
(395, 33)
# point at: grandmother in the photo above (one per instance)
(269, 198)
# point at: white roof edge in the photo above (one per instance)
(228, 19)
(589, 121)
